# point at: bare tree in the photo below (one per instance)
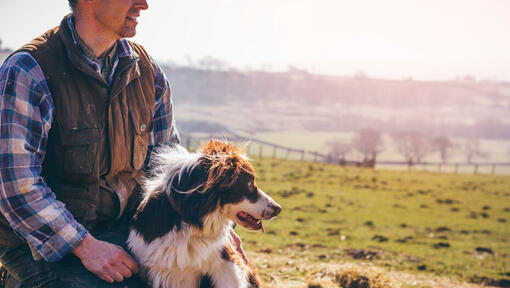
(444, 146)
(368, 143)
(338, 149)
(211, 63)
(472, 150)
(360, 75)
(412, 145)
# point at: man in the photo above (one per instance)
(80, 110)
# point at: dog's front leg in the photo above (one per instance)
(228, 274)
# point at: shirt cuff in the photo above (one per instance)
(62, 242)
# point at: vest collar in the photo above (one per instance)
(125, 53)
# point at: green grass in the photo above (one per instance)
(327, 209)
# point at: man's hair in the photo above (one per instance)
(72, 4)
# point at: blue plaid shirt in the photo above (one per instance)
(26, 114)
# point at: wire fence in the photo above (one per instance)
(260, 148)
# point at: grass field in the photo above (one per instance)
(412, 223)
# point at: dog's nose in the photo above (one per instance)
(276, 210)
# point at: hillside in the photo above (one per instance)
(301, 101)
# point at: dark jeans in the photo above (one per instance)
(67, 272)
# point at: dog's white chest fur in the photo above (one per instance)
(181, 257)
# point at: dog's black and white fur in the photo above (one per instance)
(181, 232)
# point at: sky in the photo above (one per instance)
(391, 39)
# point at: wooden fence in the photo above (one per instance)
(260, 148)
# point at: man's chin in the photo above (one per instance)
(127, 32)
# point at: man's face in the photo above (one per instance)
(119, 16)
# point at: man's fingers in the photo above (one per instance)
(116, 275)
(105, 277)
(130, 263)
(125, 271)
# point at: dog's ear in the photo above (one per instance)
(186, 193)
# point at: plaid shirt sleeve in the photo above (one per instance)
(164, 130)
(26, 113)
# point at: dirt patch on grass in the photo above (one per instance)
(279, 271)
(427, 281)
(361, 254)
(348, 275)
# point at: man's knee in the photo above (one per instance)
(23, 270)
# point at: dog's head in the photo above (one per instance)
(220, 179)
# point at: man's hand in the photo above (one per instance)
(108, 261)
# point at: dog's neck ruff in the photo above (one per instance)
(182, 251)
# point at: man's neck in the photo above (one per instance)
(97, 39)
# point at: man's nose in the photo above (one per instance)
(142, 5)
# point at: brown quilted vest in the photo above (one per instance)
(98, 140)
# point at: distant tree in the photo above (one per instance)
(338, 149)
(368, 143)
(360, 75)
(291, 69)
(211, 63)
(473, 150)
(444, 146)
(469, 79)
(412, 145)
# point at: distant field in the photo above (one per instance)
(499, 150)
(453, 226)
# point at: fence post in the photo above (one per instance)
(456, 168)
(274, 152)
(439, 167)
(287, 154)
(303, 155)
(493, 170)
(248, 149)
(476, 169)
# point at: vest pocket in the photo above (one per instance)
(142, 126)
(80, 150)
(77, 159)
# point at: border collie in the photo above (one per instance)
(181, 232)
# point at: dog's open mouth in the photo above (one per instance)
(251, 222)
